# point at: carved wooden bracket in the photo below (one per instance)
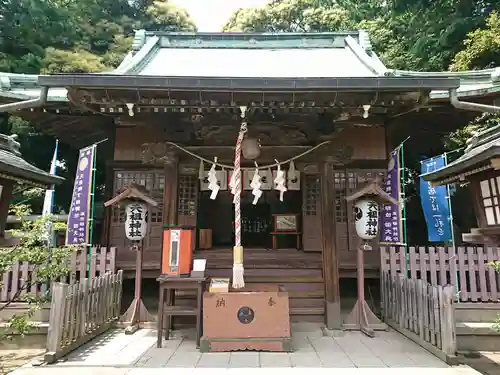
(158, 153)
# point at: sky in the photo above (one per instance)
(211, 15)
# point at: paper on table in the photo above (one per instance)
(199, 265)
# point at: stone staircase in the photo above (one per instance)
(474, 327)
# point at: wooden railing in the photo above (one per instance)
(81, 311)
(466, 268)
(14, 285)
(423, 312)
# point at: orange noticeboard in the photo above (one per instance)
(177, 250)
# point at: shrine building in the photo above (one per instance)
(322, 100)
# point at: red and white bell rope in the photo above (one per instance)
(235, 185)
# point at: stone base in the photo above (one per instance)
(278, 344)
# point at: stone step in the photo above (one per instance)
(36, 338)
(21, 308)
(477, 312)
(477, 336)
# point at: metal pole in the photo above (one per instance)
(92, 204)
(403, 202)
(450, 219)
(91, 219)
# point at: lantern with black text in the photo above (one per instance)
(135, 221)
(366, 213)
(366, 201)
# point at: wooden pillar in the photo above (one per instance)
(333, 318)
(5, 197)
(170, 193)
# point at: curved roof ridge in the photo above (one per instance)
(375, 65)
(141, 57)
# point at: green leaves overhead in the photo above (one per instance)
(482, 47)
(290, 15)
(410, 35)
(78, 35)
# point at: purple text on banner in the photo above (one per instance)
(391, 220)
(79, 212)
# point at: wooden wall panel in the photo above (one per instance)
(128, 141)
(367, 143)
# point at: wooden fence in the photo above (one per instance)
(466, 268)
(81, 311)
(423, 312)
(14, 282)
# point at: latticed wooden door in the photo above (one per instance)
(187, 204)
(311, 213)
(154, 182)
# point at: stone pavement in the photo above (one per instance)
(117, 353)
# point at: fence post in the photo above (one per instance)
(56, 320)
(448, 334)
(84, 286)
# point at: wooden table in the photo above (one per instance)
(167, 308)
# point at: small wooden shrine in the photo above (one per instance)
(479, 166)
(17, 174)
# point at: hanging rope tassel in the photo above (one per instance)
(238, 271)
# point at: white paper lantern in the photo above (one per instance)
(366, 215)
(135, 221)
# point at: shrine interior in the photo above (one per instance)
(257, 220)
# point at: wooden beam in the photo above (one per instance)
(333, 318)
(170, 194)
(5, 197)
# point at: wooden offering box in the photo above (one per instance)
(246, 319)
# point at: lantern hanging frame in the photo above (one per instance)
(361, 316)
(137, 311)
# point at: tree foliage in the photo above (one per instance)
(78, 35)
(482, 47)
(71, 36)
(291, 16)
(411, 35)
(47, 264)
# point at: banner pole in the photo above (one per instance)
(450, 219)
(92, 204)
(403, 203)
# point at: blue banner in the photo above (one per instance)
(435, 203)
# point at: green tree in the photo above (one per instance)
(71, 36)
(482, 47)
(48, 264)
(164, 16)
(290, 16)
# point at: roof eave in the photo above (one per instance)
(243, 84)
(37, 178)
(453, 171)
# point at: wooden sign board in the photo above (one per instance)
(251, 319)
